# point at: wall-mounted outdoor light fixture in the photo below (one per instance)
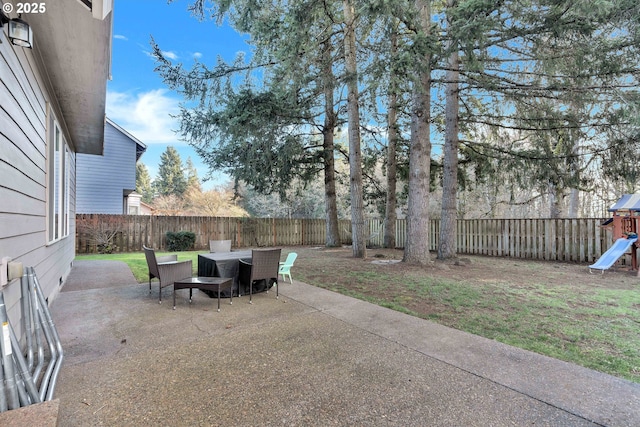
(20, 32)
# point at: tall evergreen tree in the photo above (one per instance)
(266, 136)
(171, 178)
(144, 186)
(416, 250)
(447, 247)
(358, 237)
(328, 82)
(390, 216)
(193, 181)
(550, 78)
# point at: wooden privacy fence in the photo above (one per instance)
(129, 232)
(579, 240)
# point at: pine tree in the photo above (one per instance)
(193, 181)
(144, 185)
(390, 215)
(171, 179)
(416, 249)
(267, 135)
(358, 237)
(447, 247)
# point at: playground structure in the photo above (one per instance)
(625, 221)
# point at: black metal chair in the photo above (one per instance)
(263, 267)
(167, 269)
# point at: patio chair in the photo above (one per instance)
(219, 246)
(285, 267)
(264, 266)
(167, 269)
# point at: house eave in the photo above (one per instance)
(75, 49)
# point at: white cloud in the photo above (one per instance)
(197, 55)
(145, 115)
(120, 37)
(169, 54)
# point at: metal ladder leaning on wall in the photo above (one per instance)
(28, 375)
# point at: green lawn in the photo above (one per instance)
(138, 264)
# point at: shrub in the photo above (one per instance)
(180, 241)
(102, 235)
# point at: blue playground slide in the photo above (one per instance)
(618, 249)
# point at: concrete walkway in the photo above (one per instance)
(311, 357)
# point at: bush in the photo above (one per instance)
(103, 235)
(180, 241)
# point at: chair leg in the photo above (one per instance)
(277, 289)
(159, 293)
(250, 291)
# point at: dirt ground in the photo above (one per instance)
(468, 267)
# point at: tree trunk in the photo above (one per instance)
(555, 201)
(574, 203)
(574, 170)
(353, 114)
(330, 202)
(447, 247)
(416, 250)
(390, 216)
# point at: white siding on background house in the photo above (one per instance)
(25, 102)
(104, 181)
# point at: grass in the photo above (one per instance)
(529, 305)
(559, 324)
(138, 264)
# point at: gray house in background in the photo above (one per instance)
(106, 184)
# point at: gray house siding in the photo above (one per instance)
(24, 102)
(103, 181)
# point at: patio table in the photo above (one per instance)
(223, 264)
(205, 284)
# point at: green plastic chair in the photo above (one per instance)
(285, 267)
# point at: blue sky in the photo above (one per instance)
(137, 99)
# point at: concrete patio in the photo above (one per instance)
(311, 357)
